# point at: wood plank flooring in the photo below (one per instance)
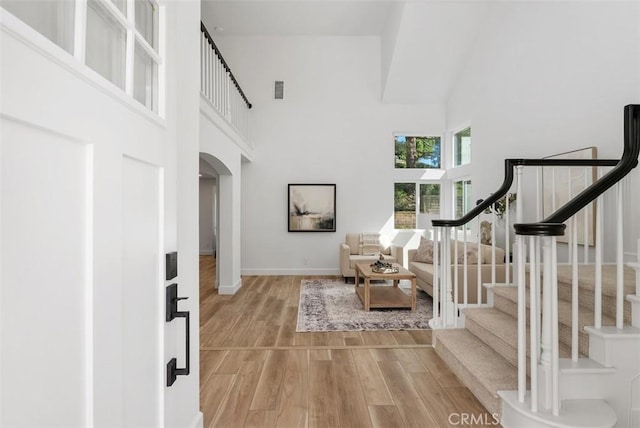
(257, 371)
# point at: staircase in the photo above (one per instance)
(559, 345)
(484, 353)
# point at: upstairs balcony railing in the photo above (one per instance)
(220, 87)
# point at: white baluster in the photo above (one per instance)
(507, 243)
(598, 268)
(202, 62)
(619, 257)
(455, 274)
(494, 224)
(436, 275)
(218, 83)
(479, 262)
(534, 323)
(519, 211)
(522, 319)
(227, 96)
(465, 275)
(555, 345)
(573, 244)
(447, 294)
(586, 241)
(546, 337)
(574, 291)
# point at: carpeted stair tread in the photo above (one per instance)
(499, 330)
(585, 315)
(587, 275)
(479, 367)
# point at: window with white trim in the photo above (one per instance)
(120, 40)
(462, 197)
(462, 147)
(415, 205)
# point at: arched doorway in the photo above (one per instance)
(215, 222)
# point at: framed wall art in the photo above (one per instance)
(560, 184)
(312, 208)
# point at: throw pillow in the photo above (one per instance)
(369, 244)
(424, 253)
(472, 253)
(485, 232)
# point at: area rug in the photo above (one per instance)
(327, 305)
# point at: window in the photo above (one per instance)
(462, 197)
(462, 147)
(417, 152)
(405, 206)
(146, 21)
(52, 19)
(122, 5)
(415, 204)
(429, 199)
(144, 78)
(120, 38)
(106, 44)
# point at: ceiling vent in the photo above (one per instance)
(278, 92)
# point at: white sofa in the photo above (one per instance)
(353, 251)
(424, 273)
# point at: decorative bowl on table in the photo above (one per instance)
(383, 267)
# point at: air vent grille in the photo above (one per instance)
(279, 90)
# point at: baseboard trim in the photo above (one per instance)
(291, 271)
(198, 421)
(230, 289)
(207, 252)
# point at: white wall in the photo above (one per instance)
(330, 128)
(207, 215)
(549, 77)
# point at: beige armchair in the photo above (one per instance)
(355, 250)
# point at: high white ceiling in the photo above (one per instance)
(430, 40)
(296, 17)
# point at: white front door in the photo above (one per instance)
(88, 209)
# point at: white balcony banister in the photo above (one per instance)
(220, 88)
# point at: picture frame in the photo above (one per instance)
(560, 184)
(311, 208)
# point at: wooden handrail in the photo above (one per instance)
(553, 225)
(509, 165)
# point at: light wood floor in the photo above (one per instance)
(256, 371)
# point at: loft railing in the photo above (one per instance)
(220, 87)
(542, 259)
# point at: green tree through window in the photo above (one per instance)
(417, 152)
(405, 206)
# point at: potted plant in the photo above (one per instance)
(500, 206)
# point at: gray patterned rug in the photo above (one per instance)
(327, 305)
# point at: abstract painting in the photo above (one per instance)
(560, 184)
(312, 208)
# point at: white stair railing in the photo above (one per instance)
(543, 277)
(544, 372)
(220, 88)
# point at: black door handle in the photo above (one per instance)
(172, 313)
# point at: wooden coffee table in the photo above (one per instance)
(376, 296)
